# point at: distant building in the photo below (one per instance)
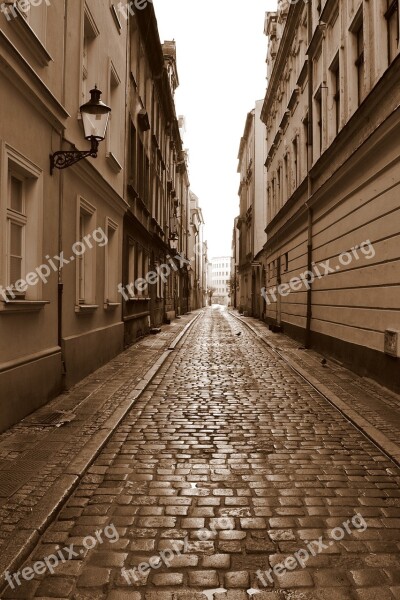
(220, 276)
(235, 279)
(333, 127)
(198, 255)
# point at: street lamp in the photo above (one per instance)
(173, 240)
(95, 115)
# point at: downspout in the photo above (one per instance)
(307, 341)
(60, 284)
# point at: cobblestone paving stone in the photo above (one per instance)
(380, 406)
(227, 441)
(93, 401)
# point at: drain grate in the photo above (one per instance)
(57, 417)
(45, 450)
(11, 481)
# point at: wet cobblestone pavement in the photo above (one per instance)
(228, 465)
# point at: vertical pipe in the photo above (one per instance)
(307, 341)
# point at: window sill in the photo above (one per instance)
(85, 309)
(113, 162)
(139, 299)
(30, 38)
(111, 305)
(116, 18)
(17, 306)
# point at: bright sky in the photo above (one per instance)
(221, 52)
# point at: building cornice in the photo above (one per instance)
(293, 18)
(14, 66)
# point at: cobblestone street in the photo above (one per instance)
(228, 465)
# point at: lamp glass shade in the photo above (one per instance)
(95, 115)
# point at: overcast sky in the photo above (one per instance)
(221, 52)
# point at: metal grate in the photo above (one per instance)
(11, 481)
(45, 450)
(53, 418)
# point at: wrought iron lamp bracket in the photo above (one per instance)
(65, 158)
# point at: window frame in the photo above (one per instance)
(392, 9)
(87, 260)
(111, 258)
(14, 164)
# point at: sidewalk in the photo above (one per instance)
(41, 460)
(371, 407)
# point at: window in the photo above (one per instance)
(141, 272)
(295, 163)
(279, 188)
(306, 135)
(131, 267)
(359, 35)
(89, 63)
(160, 285)
(21, 200)
(286, 191)
(111, 264)
(114, 127)
(16, 226)
(133, 158)
(86, 260)
(336, 93)
(141, 170)
(392, 19)
(318, 120)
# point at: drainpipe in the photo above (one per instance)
(60, 284)
(307, 342)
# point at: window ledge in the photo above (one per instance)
(30, 38)
(16, 306)
(113, 162)
(142, 299)
(111, 305)
(84, 309)
(116, 18)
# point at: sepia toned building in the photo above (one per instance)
(253, 212)
(219, 279)
(197, 255)
(235, 279)
(156, 224)
(74, 238)
(65, 224)
(332, 115)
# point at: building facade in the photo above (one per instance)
(198, 255)
(220, 276)
(73, 239)
(156, 226)
(61, 252)
(253, 212)
(235, 279)
(332, 116)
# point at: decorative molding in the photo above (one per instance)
(30, 39)
(18, 306)
(16, 68)
(113, 162)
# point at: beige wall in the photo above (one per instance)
(32, 118)
(351, 194)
